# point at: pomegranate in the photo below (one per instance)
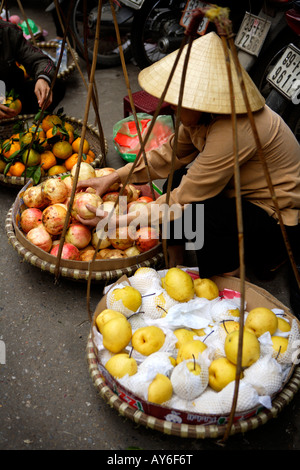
(110, 196)
(108, 206)
(79, 235)
(33, 197)
(111, 253)
(121, 238)
(80, 202)
(68, 180)
(54, 218)
(146, 238)
(54, 190)
(145, 199)
(40, 238)
(132, 251)
(86, 171)
(69, 251)
(105, 242)
(87, 253)
(132, 192)
(30, 218)
(135, 206)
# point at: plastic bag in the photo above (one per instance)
(126, 138)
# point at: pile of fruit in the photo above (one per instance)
(172, 339)
(45, 211)
(54, 149)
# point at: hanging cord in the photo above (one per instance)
(84, 125)
(94, 94)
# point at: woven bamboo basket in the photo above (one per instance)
(189, 424)
(103, 270)
(92, 135)
(72, 57)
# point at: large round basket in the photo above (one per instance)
(188, 424)
(92, 135)
(103, 270)
(50, 49)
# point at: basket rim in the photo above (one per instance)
(74, 274)
(197, 431)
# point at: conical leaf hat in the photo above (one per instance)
(206, 85)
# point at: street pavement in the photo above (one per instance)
(47, 398)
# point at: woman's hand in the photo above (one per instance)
(105, 217)
(101, 185)
(6, 112)
(42, 90)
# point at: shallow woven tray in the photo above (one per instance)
(91, 134)
(72, 56)
(199, 431)
(209, 425)
(105, 270)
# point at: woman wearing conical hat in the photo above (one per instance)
(204, 162)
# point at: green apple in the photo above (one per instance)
(179, 285)
(160, 390)
(183, 335)
(130, 297)
(148, 339)
(190, 349)
(120, 365)
(116, 334)
(221, 372)
(260, 320)
(283, 325)
(250, 351)
(105, 316)
(280, 344)
(206, 288)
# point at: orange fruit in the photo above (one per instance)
(71, 161)
(62, 149)
(56, 170)
(16, 105)
(53, 132)
(9, 147)
(17, 169)
(34, 157)
(49, 121)
(48, 159)
(76, 145)
(91, 154)
(69, 127)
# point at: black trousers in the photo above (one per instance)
(216, 226)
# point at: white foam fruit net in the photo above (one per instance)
(192, 392)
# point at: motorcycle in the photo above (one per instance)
(280, 78)
(158, 26)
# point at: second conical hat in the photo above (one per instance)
(206, 85)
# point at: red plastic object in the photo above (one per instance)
(145, 103)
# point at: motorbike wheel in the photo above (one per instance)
(156, 21)
(108, 50)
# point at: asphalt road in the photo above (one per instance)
(47, 398)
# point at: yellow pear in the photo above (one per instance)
(280, 344)
(230, 325)
(251, 347)
(190, 349)
(260, 320)
(105, 316)
(116, 334)
(283, 325)
(199, 331)
(148, 339)
(193, 367)
(206, 288)
(183, 335)
(120, 365)
(179, 285)
(130, 297)
(220, 373)
(160, 390)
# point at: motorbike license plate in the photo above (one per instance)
(252, 33)
(285, 75)
(186, 16)
(135, 4)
